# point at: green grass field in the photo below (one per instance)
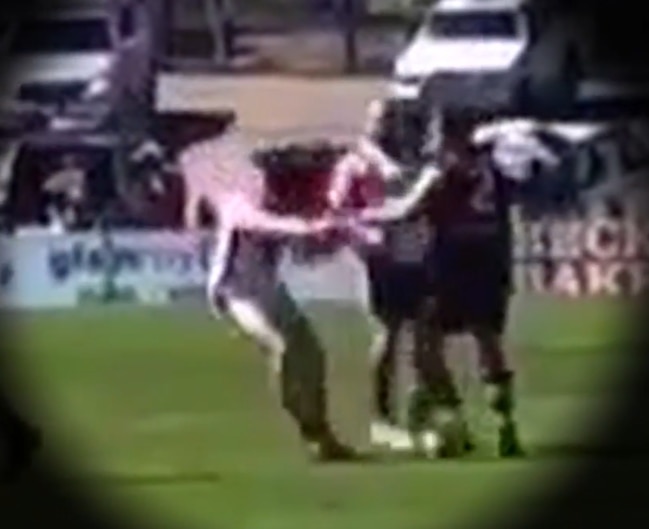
(168, 414)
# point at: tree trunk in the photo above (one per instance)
(349, 10)
(218, 13)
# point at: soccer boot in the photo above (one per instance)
(424, 438)
(425, 444)
(383, 434)
(509, 445)
(454, 437)
(327, 448)
(420, 405)
(396, 439)
(433, 423)
(469, 443)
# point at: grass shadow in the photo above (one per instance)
(584, 450)
(151, 479)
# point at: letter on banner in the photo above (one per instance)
(565, 239)
(637, 239)
(565, 281)
(602, 278)
(602, 239)
(639, 277)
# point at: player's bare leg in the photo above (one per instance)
(499, 380)
(383, 356)
(303, 380)
(384, 428)
(436, 400)
(296, 362)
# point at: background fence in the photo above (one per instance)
(574, 258)
(295, 36)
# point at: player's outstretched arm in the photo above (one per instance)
(256, 219)
(389, 169)
(396, 208)
(341, 180)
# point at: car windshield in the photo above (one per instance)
(474, 24)
(62, 36)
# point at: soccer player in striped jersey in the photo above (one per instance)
(243, 282)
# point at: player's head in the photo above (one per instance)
(392, 125)
(459, 124)
(457, 150)
(325, 154)
(293, 173)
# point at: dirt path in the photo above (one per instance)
(275, 105)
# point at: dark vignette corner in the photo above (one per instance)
(603, 493)
(31, 493)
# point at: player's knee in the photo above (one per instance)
(252, 321)
(216, 301)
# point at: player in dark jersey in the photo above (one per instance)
(470, 265)
(468, 281)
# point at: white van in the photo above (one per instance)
(481, 51)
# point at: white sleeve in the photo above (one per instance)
(514, 156)
(375, 156)
(341, 181)
(397, 208)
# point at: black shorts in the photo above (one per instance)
(471, 283)
(396, 290)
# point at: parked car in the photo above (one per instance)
(88, 65)
(489, 53)
(101, 156)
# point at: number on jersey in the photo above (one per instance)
(483, 197)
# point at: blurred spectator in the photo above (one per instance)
(154, 194)
(69, 181)
(65, 193)
(8, 153)
(148, 162)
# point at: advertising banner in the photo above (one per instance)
(578, 258)
(64, 270)
(601, 257)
